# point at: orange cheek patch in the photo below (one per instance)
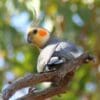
(42, 33)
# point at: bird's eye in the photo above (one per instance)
(34, 31)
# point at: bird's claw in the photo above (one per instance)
(32, 90)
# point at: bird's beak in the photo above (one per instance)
(29, 40)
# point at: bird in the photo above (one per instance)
(53, 51)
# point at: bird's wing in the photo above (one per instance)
(65, 51)
(68, 50)
(45, 56)
(57, 53)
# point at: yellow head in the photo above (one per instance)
(38, 36)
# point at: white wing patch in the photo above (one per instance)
(45, 56)
(76, 54)
(62, 45)
(53, 60)
(56, 60)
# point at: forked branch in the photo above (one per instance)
(61, 77)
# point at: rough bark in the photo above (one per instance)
(61, 77)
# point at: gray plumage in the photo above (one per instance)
(56, 52)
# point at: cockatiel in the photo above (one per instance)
(53, 51)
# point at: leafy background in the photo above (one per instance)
(75, 20)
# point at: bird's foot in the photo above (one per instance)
(32, 90)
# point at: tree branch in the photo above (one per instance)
(62, 77)
(61, 88)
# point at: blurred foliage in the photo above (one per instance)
(75, 20)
